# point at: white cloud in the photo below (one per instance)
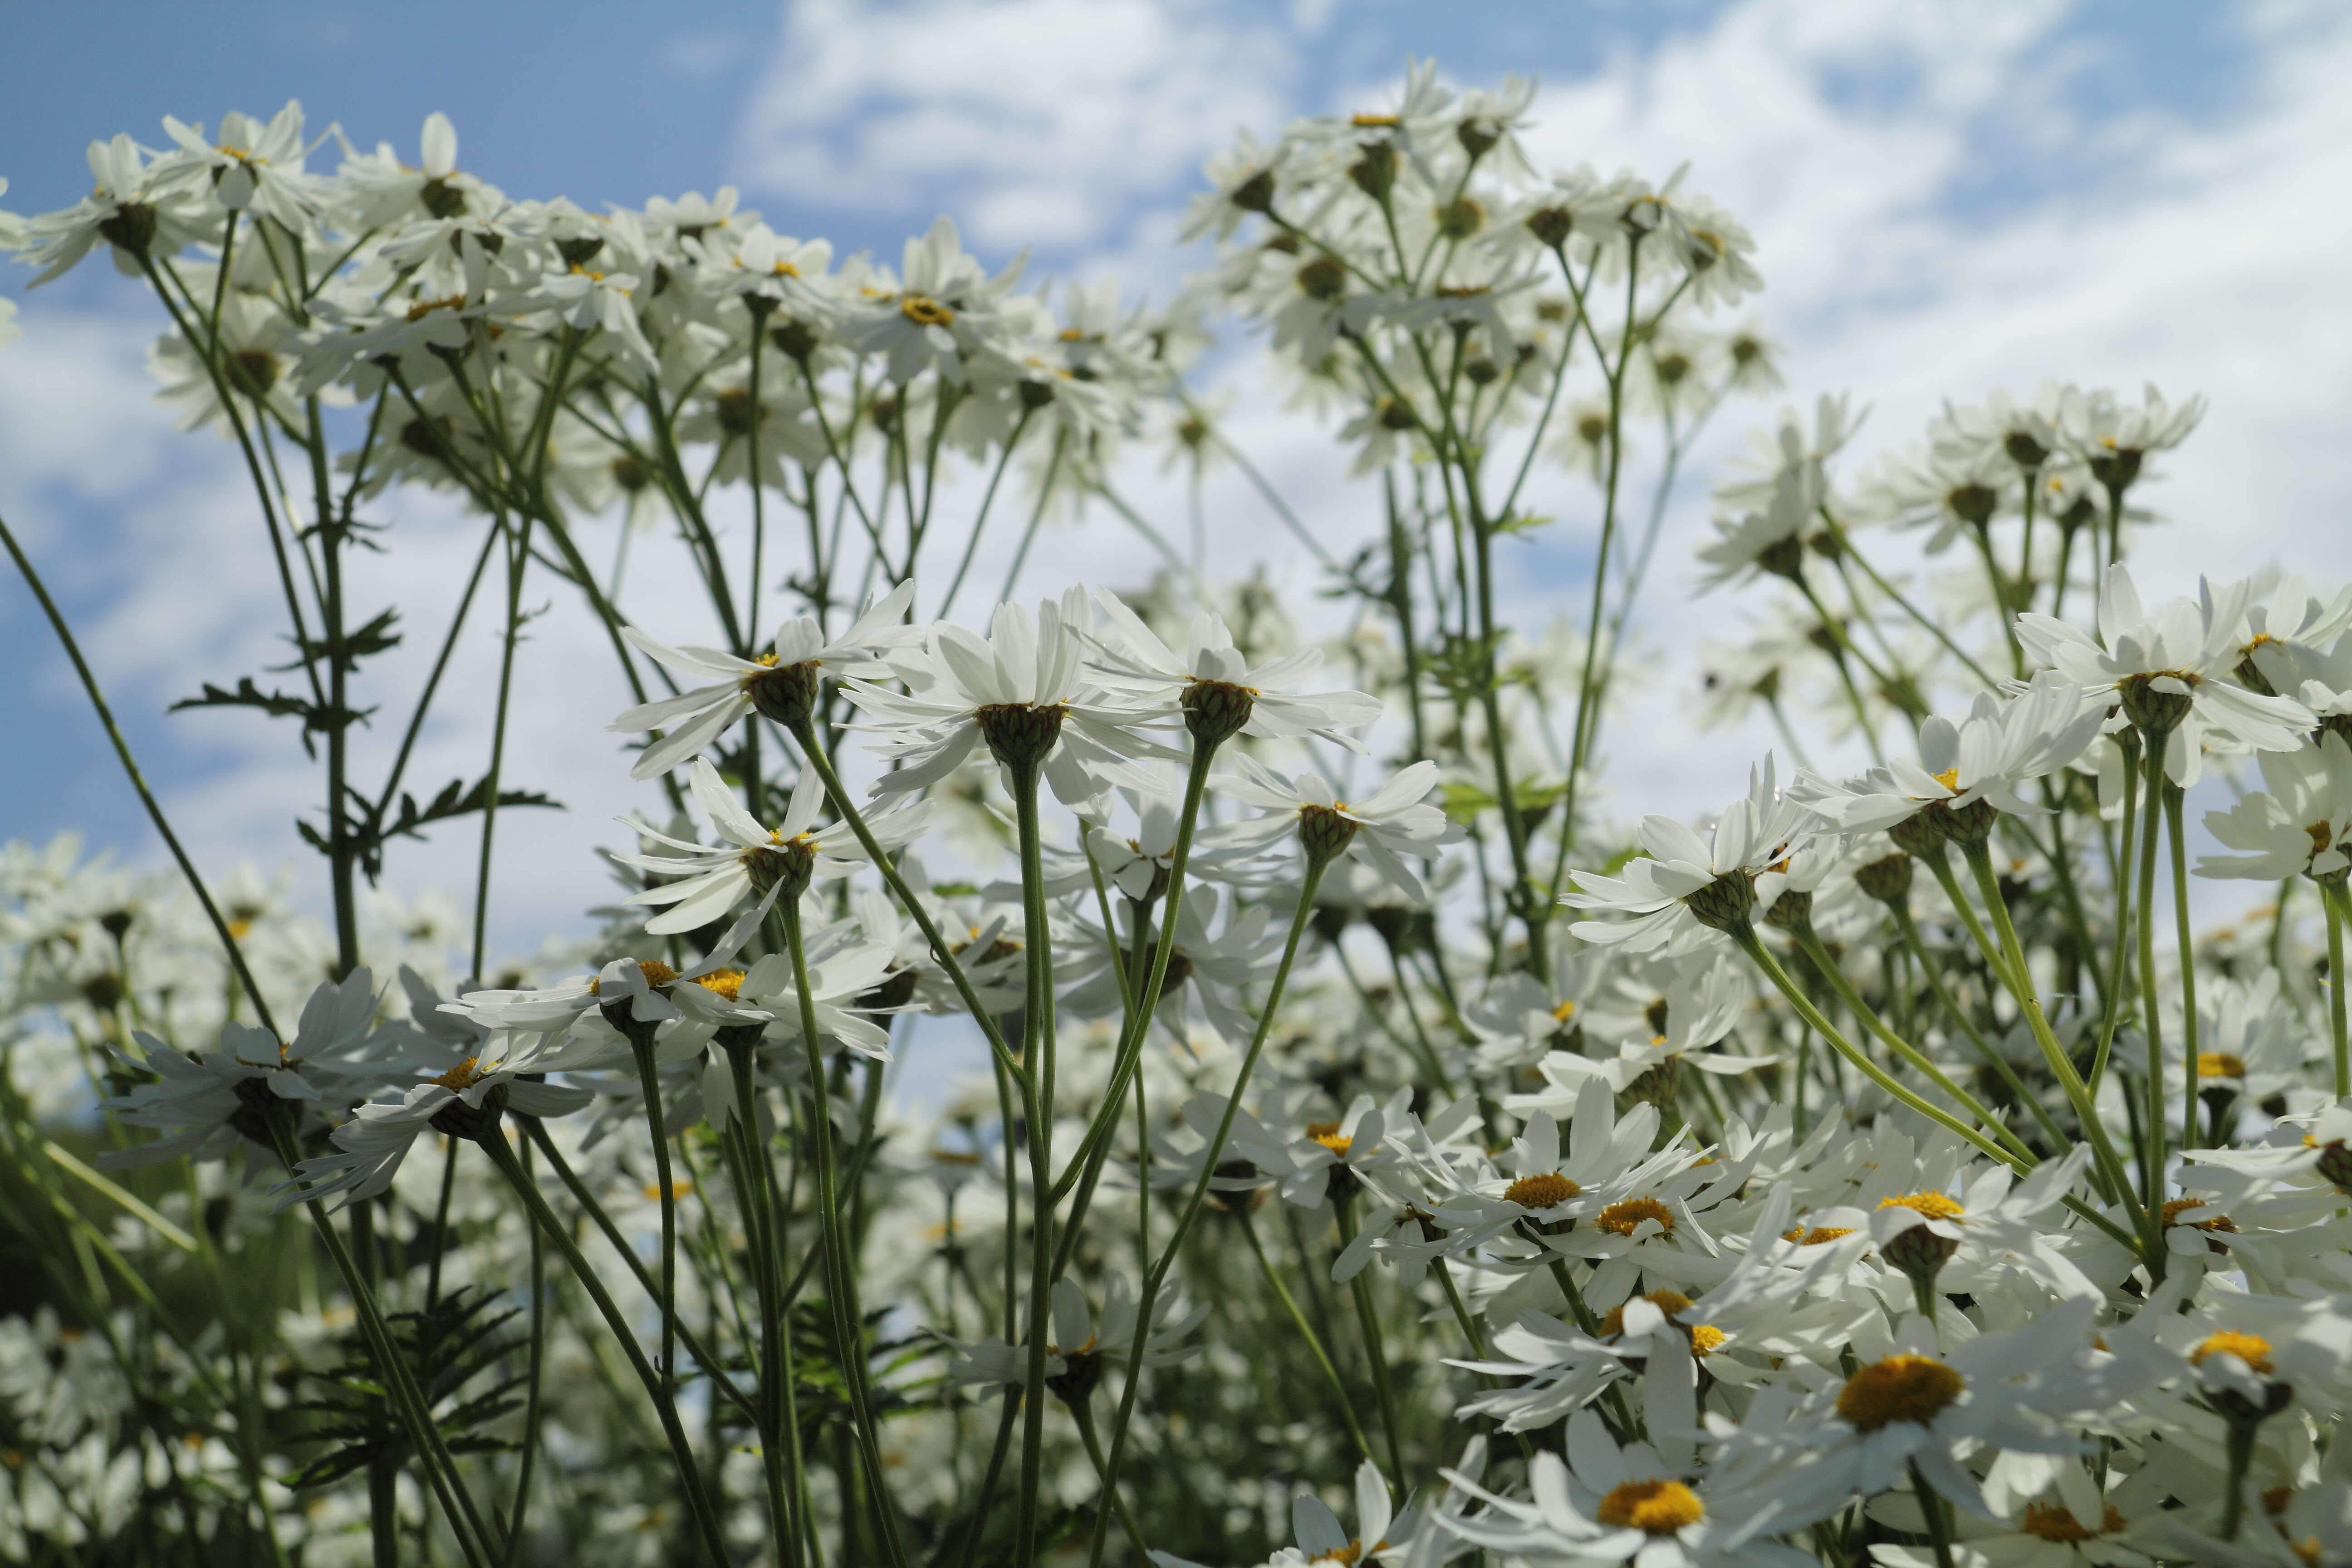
(1035, 122)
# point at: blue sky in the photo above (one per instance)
(1945, 199)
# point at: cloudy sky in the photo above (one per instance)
(1946, 200)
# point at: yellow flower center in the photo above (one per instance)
(1706, 1338)
(424, 308)
(727, 982)
(925, 311)
(1934, 1205)
(2057, 1521)
(1371, 120)
(2175, 1207)
(1625, 1218)
(1545, 1192)
(1950, 779)
(1658, 1507)
(1564, 1012)
(1901, 1388)
(658, 975)
(1819, 1236)
(2252, 1349)
(2219, 1064)
(1668, 1301)
(462, 1077)
(677, 1190)
(1327, 1134)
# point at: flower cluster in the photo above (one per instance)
(1078, 1080)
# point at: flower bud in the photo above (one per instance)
(1322, 278)
(786, 694)
(1324, 835)
(1237, 1200)
(1215, 710)
(258, 1111)
(1920, 1253)
(1972, 503)
(1791, 911)
(1918, 834)
(2117, 470)
(2025, 450)
(1963, 824)
(477, 1123)
(131, 228)
(1725, 903)
(1552, 225)
(796, 337)
(1784, 557)
(1375, 172)
(1461, 217)
(786, 866)
(1020, 734)
(1888, 880)
(2155, 712)
(1255, 195)
(1655, 1084)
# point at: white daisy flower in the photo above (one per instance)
(1216, 688)
(2167, 666)
(2000, 746)
(781, 683)
(1021, 690)
(2296, 826)
(1682, 889)
(752, 859)
(1378, 830)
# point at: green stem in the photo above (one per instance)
(2061, 1066)
(849, 1340)
(1904, 1050)
(2332, 898)
(1939, 1526)
(536, 1130)
(2152, 1146)
(1367, 1321)
(1745, 937)
(1038, 1114)
(1993, 1058)
(1216, 1150)
(518, 559)
(749, 1167)
(138, 781)
(1298, 1319)
(2114, 1011)
(2189, 1021)
(689, 1473)
(1082, 1412)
